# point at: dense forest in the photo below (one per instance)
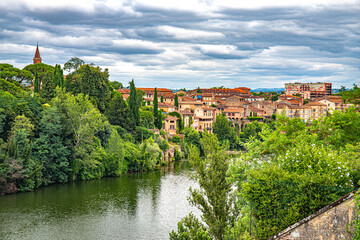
(76, 128)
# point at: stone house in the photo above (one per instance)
(235, 101)
(204, 118)
(166, 107)
(187, 117)
(170, 124)
(235, 114)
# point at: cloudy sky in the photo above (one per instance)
(190, 43)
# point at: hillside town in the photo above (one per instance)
(199, 107)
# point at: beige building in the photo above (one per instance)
(234, 101)
(208, 99)
(311, 111)
(235, 114)
(334, 103)
(170, 124)
(189, 105)
(204, 118)
(166, 107)
(187, 117)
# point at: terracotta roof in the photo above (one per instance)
(185, 112)
(316, 104)
(37, 53)
(169, 117)
(153, 89)
(163, 104)
(124, 90)
(234, 109)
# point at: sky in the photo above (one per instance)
(191, 43)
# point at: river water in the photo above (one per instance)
(135, 206)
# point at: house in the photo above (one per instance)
(204, 118)
(208, 99)
(166, 107)
(235, 114)
(187, 117)
(170, 124)
(318, 109)
(125, 92)
(334, 103)
(189, 105)
(149, 92)
(234, 101)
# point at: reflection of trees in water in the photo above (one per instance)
(92, 197)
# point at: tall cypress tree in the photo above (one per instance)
(176, 101)
(157, 116)
(36, 82)
(47, 90)
(134, 103)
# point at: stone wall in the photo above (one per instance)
(329, 223)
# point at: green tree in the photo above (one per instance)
(176, 101)
(134, 104)
(92, 81)
(118, 112)
(198, 90)
(225, 132)
(47, 91)
(13, 74)
(85, 121)
(36, 83)
(157, 115)
(214, 198)
(352, 96)
(73, 64)
(50, 147)
(41, 68)
(116, 85)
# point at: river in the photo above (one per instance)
(135, 206)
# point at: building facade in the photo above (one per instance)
(309, 90)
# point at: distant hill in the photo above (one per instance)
(278, 90)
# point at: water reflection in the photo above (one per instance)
(135, 206)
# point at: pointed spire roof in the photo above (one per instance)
(37, 58)
(37, 53)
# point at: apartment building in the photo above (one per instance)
(204, 118)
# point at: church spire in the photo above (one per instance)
(37, 58)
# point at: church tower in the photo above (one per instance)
(37, 58)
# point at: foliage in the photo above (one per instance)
(10, 87)
(179, 122)
(85, 120)
(36, 82)
(134, 104)
(147, 118)
(292, 171)
(47, 91)
(352, 95)
(73, 64)
(252, 129)
(225, 132)
(190, 228)
(12, 74)
(116, 85)
(142, 133)
(50, 148)
(176, 101)
(91, 81)
(118, 112)
(214, 198)
(41, 68)
(157, 116)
